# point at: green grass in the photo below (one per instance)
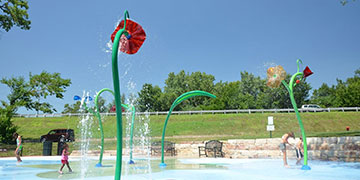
(195, 127)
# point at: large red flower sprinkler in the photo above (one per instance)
(133, 37)
(130, 36)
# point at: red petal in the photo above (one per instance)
(307, 72)
(138, 36)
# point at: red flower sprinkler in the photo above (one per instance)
(130, 36)
(133, 37)
(276, 74)
(307, 72)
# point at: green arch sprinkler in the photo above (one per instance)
(99, 164)
(177, 101)
(276, 75)
(133, 38)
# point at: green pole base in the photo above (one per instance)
(305, 167)
(162, 165)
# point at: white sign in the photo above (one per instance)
(270, 128)
(270, 120)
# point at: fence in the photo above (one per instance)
(234, 111)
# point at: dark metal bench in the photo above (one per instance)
(213, 147)
(169, 148)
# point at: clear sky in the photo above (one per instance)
(221, 38)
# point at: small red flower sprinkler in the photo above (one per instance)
(132, 39)
(307, 72)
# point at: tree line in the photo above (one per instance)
(249, 92)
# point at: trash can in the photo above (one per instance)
(47, 148)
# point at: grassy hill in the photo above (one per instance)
(193, 127)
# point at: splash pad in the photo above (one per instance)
(40, 168)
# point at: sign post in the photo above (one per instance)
(270, 127)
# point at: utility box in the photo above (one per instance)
(47, 148)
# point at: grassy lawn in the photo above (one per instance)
(192, 127)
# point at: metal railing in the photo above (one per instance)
(232, 111)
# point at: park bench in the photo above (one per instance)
(3, 150)
(169, 148)
(213, 147)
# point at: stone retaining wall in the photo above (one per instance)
(332, 148)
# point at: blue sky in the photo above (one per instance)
(221, 38)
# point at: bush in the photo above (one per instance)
(7, 128)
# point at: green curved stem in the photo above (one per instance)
(298, 61)
(132, 127)
(132, 132)
(177, 101)
(100, 122)
(116, 83)
(293, 102)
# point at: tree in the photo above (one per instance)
(227, 95)
(44, 85)
(101, 104)
(343, 94)
(149, 98)
(177, 84)
(250, 89)
(14, 12)
(7, 128)
(344, 2)
(325, 96)
(347, 93)
(74, 108)
(28, 94)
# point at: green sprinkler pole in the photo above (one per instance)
(101, 127)
(131, 131)
(99, 164)
(177, 101)
(293, 102)
(116, 83)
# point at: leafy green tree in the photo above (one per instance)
(325, 96)
(277, 98)
(28, 94)
(44, 85)
(250, 89)
(227, 95)
(14, 12)
(344, 2)
(74, 108)
(343, 94)
(149, 98)
(101, 103)
(6, 125)
(165, 101)
(177, 84)
(347, 93)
